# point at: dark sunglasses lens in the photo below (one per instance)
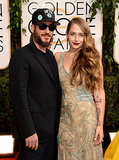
(52, 27)
(42, 26)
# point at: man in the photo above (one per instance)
(36, 92)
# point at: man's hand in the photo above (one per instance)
(32, 141)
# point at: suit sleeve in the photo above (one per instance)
(19, 76)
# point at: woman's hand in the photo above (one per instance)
(98, 135)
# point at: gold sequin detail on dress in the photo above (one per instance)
(77, 122)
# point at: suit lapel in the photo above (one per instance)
(42, 61)
(55, 68)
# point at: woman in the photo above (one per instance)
(83, 100)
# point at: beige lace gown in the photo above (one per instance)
(77, 122)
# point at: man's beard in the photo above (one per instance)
(39, 41)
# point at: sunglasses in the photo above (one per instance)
(43, 26)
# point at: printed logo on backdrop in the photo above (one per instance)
(64, 12)
(4, 35)
(116, 45)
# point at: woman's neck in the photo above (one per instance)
(73, 52)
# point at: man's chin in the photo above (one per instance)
(46, 41)
(45, 44)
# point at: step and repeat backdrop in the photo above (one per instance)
(5, 50)
(64, 12)
(116, 46)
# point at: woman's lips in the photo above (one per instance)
(76, 43)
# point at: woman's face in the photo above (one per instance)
(75, 37)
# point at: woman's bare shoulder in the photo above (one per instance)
(57, 55)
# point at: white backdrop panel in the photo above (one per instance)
(116, 45)
(4, 35)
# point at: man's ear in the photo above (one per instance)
(32, 28)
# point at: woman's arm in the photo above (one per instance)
(99, 96)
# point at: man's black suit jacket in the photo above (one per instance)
(35, 93)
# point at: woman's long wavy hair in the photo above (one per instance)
(87, 62)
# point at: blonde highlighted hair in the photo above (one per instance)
(87, 63)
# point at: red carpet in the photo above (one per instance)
(14, 158)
